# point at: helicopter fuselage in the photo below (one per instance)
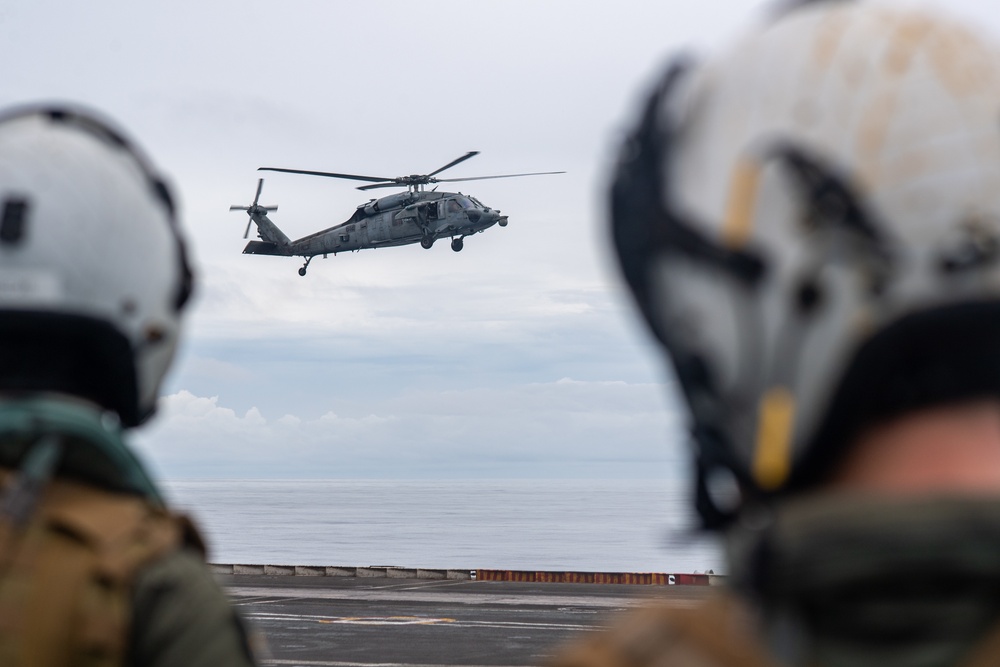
(414, 216)
(399, 219)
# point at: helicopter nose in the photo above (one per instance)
(473, 215)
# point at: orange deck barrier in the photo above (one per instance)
(635, 578)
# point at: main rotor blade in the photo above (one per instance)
(381, 185)
(330, 174)
(454, 162)
(483, 178)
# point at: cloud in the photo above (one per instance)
(565, 428)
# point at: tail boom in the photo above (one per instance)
(268, 231)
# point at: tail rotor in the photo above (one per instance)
(253, 208)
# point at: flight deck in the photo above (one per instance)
(323, 621)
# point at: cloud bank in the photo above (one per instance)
(561, 429)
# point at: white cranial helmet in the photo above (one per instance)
(93, 273)
(810, 224)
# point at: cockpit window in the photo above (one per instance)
(458, 204)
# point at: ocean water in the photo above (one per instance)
(615, 526)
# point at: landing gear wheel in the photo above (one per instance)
(302, 271)
(426, 242)
(457, 245)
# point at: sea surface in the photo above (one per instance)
(582, 525)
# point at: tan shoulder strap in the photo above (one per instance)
(714, 633)
(64, 600)
(124, 531)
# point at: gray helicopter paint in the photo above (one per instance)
(431, 215)
(414, 216)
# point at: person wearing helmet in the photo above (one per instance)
(810, 225)
(94, 569)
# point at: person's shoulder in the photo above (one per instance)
(181, 616)
(719, 631)
(176, 570)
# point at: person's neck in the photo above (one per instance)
(953, 449)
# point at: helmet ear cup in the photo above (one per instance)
(93, 266)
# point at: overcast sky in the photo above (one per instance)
(519, 356)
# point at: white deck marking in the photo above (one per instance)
(410, 595)
(417, 620)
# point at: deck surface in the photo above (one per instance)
(372, 622)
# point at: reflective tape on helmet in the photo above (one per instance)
(772, 454)
(742, 203)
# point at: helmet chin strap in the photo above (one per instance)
(855, 581)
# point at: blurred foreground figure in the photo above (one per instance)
(810, 224)
(94, 570)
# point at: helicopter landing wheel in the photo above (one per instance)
(302, 271)
(426, 242)
(457, 245)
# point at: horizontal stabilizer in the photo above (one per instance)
(262, 248)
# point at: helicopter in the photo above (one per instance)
(415, 216)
